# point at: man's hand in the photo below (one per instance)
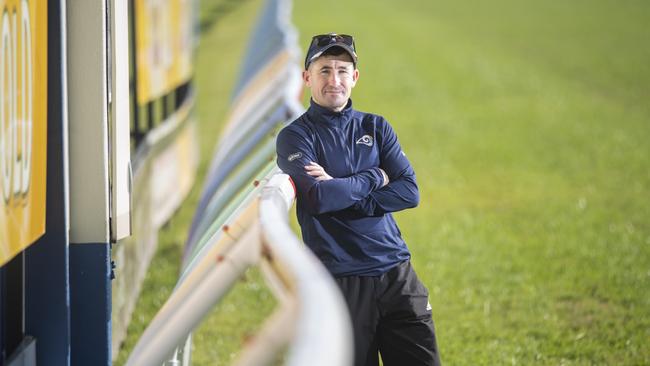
(317, 171)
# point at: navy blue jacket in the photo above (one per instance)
(347, 221)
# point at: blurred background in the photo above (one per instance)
(528, 125)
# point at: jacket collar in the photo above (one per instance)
(321, 114)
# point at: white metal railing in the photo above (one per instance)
(234, 231)
(323, 335)
(311, 317)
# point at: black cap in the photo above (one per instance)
(323, 42)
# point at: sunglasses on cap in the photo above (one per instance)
(323, 42)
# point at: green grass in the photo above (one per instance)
(528, 125)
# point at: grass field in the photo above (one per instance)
(528, 124)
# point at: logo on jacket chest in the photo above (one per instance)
(365, 140)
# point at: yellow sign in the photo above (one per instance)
(23, 124)
(164, 37)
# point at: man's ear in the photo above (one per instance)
(306, 78)
(355, 77)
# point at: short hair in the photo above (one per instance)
(337, 51)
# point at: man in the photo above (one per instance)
(350, 173)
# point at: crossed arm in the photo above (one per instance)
(375, 191)
(319, 173)
(323, 193)
(392, 196)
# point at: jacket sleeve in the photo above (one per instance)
(295, 151)
(402, 191)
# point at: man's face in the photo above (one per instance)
(331, 79)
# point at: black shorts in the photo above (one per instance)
(391, 316)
